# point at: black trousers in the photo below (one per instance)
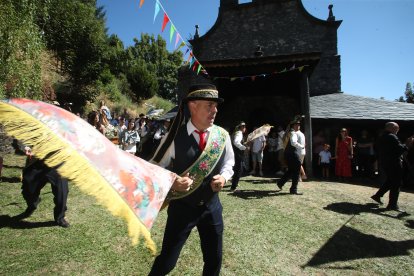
(365, 163)
(35, 178)
(182, 218)
(393, 182)
(238, 171)
(293, 171)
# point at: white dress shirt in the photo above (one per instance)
(294, 141)
(159, 133)
(227, 168)
(301, 140)
(237, 139)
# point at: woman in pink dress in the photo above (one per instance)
(344, 154)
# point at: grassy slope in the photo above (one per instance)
(333, 229)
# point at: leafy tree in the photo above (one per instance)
(167, 76)
(21, 46)
(115, 56)
(409, 96)
(143, 83)
(75, 30)
(158, 61)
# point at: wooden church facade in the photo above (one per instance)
(267, 55)
(268, 58)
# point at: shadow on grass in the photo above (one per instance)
(349, 208)
(254, 194)
(14, 179)
(12, 222)
(11, 204)
(350, 244)
(13, 167)
(410, 223)
(374, 182)
(261, 181)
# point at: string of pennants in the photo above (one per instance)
(253, 77)
(192, 61)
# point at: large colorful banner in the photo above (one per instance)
(128, 186)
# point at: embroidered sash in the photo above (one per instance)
(204, 164)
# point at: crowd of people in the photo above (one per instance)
(345, 159)
(140, 136)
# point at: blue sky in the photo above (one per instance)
(375, 39)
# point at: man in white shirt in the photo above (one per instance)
(302, 153)
(293, 147)
(195, 203)
(238, 149)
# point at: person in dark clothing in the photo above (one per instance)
(161, 131)
(35, 176)
(238, 149)
(201, 153)
(390, 161)
(365, 154)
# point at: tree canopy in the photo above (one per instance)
(74, 33)
(408, 94)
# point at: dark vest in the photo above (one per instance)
(237, 152)
(290, 151)
(186, 153)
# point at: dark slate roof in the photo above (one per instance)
(345, 106)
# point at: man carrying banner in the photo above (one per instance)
(201, 153)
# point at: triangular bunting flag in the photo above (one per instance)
(293, 67)
(189, 56)
(165, 22)
(184, 56)
(199, 68)
(172, 30)
(177, 38)
(301, 68)
(157, 10)
(233, 79)
(195, 65)
(141, 2)
(182, 44)
(284, 70)
(192, 61)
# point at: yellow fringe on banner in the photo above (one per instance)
(76, 168)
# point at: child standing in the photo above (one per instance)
(325, 160)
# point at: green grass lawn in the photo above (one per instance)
(333, 229)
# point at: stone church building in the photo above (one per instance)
(272, 59)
